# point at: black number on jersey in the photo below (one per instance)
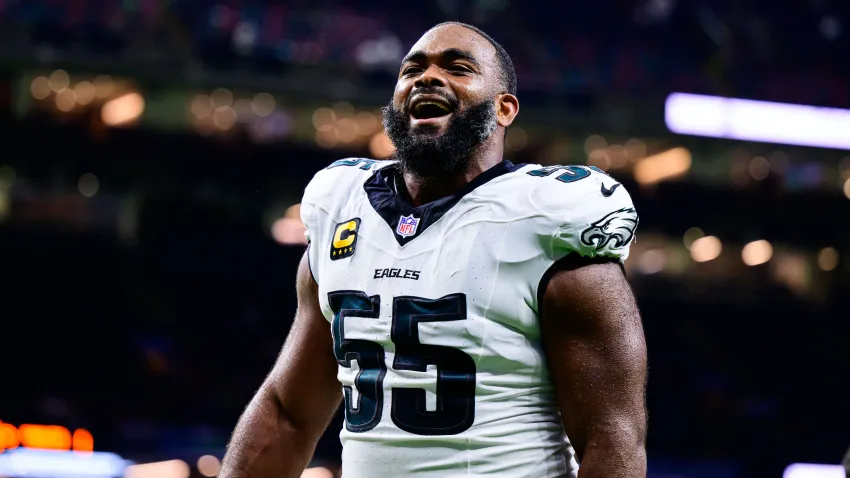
(455, 410)
(363, 162)
(569, 174)
(455, 369)
(364, 414)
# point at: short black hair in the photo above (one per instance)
(506, 66)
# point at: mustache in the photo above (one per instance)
(430, 90)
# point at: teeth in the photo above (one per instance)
(432, 103)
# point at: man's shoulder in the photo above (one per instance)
(558, 175)
(348, 170)
(582, 207)
(556, 188)
(341, 178)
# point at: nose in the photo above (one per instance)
(430, 77)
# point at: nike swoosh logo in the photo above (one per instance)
(608, 192)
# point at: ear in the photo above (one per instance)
(507, 107)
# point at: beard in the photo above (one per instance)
(440, 156)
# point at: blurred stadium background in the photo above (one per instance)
(154, 153)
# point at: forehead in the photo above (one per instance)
(448, 37)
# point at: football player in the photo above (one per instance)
(472, 314)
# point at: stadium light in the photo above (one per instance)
(61, 464)
(45, 437)
(827, 259)
(691, 235)
(288, 230)
(88, 185)
(40, 88)
(124, 109)
(757, 252)
(706, 249)
(59, 80)
(663, 166)
(750, 120)
(85, 92)
(807, 470)
(317, 472)
(380, 146)
(209, 466)
(162, 469)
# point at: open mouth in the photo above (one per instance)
(429, 109)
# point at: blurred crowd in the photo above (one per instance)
(784, 51)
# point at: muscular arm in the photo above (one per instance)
(278, 432)
(594, 341)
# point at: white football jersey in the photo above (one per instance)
(434, 317)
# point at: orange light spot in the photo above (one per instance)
(45, 436)
(83, 440)
(9, 438)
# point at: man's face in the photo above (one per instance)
(444, 105)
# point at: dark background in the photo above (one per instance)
(149, 309)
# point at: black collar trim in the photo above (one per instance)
(392, 206)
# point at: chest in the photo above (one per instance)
(481, 250)
(459, 253)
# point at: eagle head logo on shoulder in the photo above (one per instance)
(616, 229)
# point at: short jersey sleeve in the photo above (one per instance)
(325, 200)
(593, 214)
(310, 218)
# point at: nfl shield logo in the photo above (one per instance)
(407, 225)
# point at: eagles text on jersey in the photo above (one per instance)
(433, 311)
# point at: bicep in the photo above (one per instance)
(594, 341)
(304, 377)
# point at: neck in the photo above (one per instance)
(422, 190)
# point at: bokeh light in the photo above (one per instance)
(59, 80)
(263, 104)
(828, 259)
(706, 249)
(209, 466)
(88, 185)
(40, 88)
(757, 252)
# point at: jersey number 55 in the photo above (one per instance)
(455, 407)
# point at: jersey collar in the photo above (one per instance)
(391, 206)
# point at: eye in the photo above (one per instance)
(411, 70)
(459, 70)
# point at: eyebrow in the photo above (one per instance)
(449, 53)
